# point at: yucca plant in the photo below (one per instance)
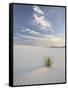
(48, 62)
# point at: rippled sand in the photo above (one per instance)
(40, 76)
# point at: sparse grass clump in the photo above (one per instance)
(48, 62)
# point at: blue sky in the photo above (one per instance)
(39, 25)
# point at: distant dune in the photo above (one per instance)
(57, 47)
(39, 46)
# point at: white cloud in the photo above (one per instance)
(29, 37)
(38, 10)
(46, 40)
(37, 39)
(50, 40)
(42, 22)
(22, 29)
(54, 40)
(27, 30)
(58, 41)
(34, 33)
(21, 36)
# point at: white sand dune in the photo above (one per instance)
(40, 76)
(29, 67)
